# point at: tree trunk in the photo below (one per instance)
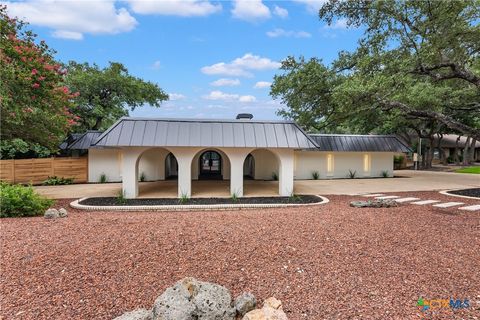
(466, 154)
(429, 154)
(455, 155)
(441, 152)
(472, 150)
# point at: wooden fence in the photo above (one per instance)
(36, 171)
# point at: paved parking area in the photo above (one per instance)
(405, 180)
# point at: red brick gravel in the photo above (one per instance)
(324, 262)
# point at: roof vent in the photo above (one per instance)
(244, 116)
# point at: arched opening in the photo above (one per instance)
(210, 164)
(157, 170)
(210, 171)
(261, 168)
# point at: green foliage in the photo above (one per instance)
(352, 174)
(120, 199)
(109, 93)
(183, 198)
(416, 66)
(35, 104)
(54, 180)
(398, 159)
(20, 149)
(274, 176)
(385, 174)
(315, 175)
(21, 201)
(103, 178)
(234, 197)
(143, 177)
(475, 170)
(294, 198)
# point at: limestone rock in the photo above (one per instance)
(272, 310)
(244, 303)
(62, 212)
(190, 299)
(51, 214)
(378, 203)
(139, 314)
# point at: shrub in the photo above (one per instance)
(103, 178)
(315, 175)
(143, 177)
(352, 174)
(21, 201)
(234, 196)
(385, 174)
(121, 200)
(183, 198)
(54, 181)
(294, 198)
(274, 176)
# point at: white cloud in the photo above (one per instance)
(288, 33)
(176, 96)
(182, 8)
(225, 82)
(312, 5)
(338, 24)
(262, 84)
(222, 96)
(250, 10)
(281, 12)
(241, 66)
(73, 19)
(156, 65)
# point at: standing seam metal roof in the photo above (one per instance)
(359, 143)
(84, 141)
(149, 132)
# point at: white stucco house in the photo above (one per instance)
(233, 150)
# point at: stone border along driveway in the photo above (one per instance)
(197, 207)
(434, 203)
(447, 193)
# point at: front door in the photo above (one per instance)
(210, 166)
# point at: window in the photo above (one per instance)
(367, 161)
(330, 164)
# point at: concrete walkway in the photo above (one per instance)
(405, 180)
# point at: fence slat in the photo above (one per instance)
(36, 171)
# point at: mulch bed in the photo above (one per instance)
(475, 192)
(329, 261)
(112, 201)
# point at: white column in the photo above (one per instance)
(285, 175)
(130, 171)
(236, 157)
(184, 158)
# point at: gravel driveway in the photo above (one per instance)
(324, 262)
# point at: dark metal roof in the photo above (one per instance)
(205, 133)
(359, 143)
(84, 141)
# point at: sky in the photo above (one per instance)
(215, 59)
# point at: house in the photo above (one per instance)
(233, 150)
(451, 142)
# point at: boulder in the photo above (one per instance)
(51, 214)
(244, 303)
(378, 203)
(272, 310)
(62, 212)
(139, 314)
(190, 299)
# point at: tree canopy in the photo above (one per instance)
(416, 66)
(108, 94)
(35, 104)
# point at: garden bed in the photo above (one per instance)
(112, 201)
(474, 192)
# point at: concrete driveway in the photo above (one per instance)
(405, 180)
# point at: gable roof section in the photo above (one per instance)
(85, 140)
(359, 143)
(147, 132)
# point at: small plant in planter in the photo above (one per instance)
(385, 174)
(55, 181)
(294, 197)
(352, 174)
(143, 177)
(183, 198)
(103, 178)
(121, 200)
(274, 176)
(235, 197)
(315, 175)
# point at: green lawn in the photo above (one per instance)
(475, 170)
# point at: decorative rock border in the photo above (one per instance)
(447, 193)
(195, 207)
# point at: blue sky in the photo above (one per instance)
(214, 58)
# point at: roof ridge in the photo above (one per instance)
(206, 120)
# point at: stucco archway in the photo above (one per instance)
(210, 170)
(263, 166)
